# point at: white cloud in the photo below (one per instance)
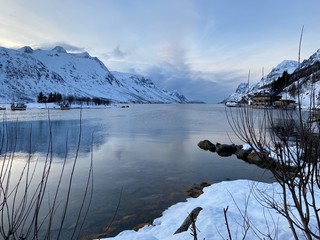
(212, 43)
(116, 54)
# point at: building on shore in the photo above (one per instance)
(263, 100)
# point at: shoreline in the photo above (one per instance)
(191, 192)
(72, 106)
(210, 222)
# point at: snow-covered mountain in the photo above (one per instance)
(304, 76)
(241, 91)
(314, 58)
(287, 65)
(25, 72)
(141, 89)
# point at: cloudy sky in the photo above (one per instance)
(202, 48)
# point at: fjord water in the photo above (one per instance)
(146, 153)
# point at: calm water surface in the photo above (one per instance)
(148, 151)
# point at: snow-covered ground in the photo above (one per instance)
(239, 197)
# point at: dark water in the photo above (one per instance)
(147, 152)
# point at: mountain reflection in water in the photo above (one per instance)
(149, 151)
(37, 136)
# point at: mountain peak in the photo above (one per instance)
(286, 65)
(78, 74)
(26, 49)
(59, 49)
(311, 60)
(84, 55)
(289, 65)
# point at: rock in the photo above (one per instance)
(192, 217)
(242, 154)
(207, 145)
(197, 190)
(194, 192)
(141, 225)
(204, 184)
(258, 158)
(225, 150)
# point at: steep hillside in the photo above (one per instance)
(25, 72)
(141, 89)
(264, 84)
(287, 65)
(302, 79)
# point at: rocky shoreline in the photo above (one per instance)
(224, 150)
(249, 155)
(109, 231)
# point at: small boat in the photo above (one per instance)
(18, 106)
(64, 106)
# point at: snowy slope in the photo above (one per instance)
(243, 89)
(139, 87)
(287, 65)
(238, 196)
(304, 76)
(26, 72)
(307, 79)
(311, 60)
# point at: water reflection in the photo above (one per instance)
(148, 150)
(57, 136)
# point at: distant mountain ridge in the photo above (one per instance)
(26, 72)
(304, 76)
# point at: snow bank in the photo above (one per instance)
(235, 195)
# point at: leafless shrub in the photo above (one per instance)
(28, 210)
(294, 143)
